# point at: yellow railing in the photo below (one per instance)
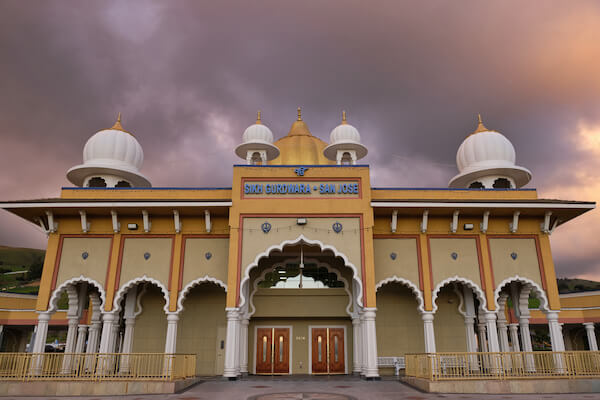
(97, 366)
(523, 365)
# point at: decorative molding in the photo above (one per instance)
(418, 294)
(538, 290)
(121, 292)
(56, 294)
(301, 238)
(193, 283)
(467, 282)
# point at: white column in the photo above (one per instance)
(514, 336)
(93, 337)
(357, 348)
(492, 332)
(231, 369)
(558, 343)
(503, 335)
(81, 336)
(428, 332)
(128, 336)
(244, 346)
(114, 348)
(525, 334)
(171, 342)
(483, 345)
(470, 332)
(71, 334)
(370, 355)
(39, 344)
(363, 344)
(107, 332)
(591, 336)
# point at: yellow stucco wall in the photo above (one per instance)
(444, 266)
(404, 266)
(200, 323)
(195, 263)
(449, 324)
(301, 303)
(525, 265)
(398, 323)
(134, 264)
(72, 264)
(150, 331)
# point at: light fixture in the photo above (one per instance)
(132, 227)
(468, 227)
(301, 221)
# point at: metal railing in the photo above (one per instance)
(500, 366)
(96, 366)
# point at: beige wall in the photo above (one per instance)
(73, 265)
(151, 325)
(398, 322)
(134, 265)
(526, 264)
(444, 266)
(299, 339)
(301, 303)
(449, 324)
(404, 266)
(202, 318)
(254, 241)
(195, 263)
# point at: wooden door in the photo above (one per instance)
(337, 364)
(281, 353)
(319, 350)
(220, 356)
(264, 343)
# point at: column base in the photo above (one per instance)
(372, 378)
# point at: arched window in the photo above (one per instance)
(97, 182)
(256, 159)
(310, 277)
(502, 183)
(346, 159)
(123, 184)
(476, 185)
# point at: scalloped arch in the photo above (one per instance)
(312, 260)
(527, 281)
(193, 283)
(467, 282)
(121, 292)
(299, 239)
(418, 294)
(52, 304)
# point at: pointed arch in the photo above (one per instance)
(418, 294)
(301, 238)
(52, 304)
(467, 282)
(193, 283)
(121, 292)
(539, 291)
(306, 260)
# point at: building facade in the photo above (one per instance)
(300, 266)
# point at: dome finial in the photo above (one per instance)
(480, 126)
(344, 122)
(299, 114)
(258, 121)
(117, 124)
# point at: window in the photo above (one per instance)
(476, 185)
(346, 159)
(311, 277)
(256, 159)
(123, 184)
(502, 183)
(97, 182)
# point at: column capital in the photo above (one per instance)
(82, 328)
(233, 313)
(589, 325)
(44, 316)
(427, 316)
(552, 316)
(490, 316)
(172, 317)
(245, 321)
(109, 316)
(369, 313)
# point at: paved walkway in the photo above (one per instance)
(315, 388)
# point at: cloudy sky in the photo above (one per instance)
(188, 77)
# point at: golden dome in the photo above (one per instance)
(300, 147)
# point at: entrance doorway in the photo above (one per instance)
(328, 354)
(272, 350)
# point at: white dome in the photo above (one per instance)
(344, 133)
(344, 138)
(257, 133)
(111, 153)
(257, 137)
(487, 153)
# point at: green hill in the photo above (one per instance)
(568, 285)
(15, 259)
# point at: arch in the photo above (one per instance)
(298, 240)
(467, 282)
(121, 292)
(306, 260)
(63, 286)
(527, 282)
(418, 294)
(193, 283)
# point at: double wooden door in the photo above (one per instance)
(272, 350)
(327, 351)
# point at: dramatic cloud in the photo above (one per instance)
(189, 76)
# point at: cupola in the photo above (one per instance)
(345, 146)
(257, 144)
(111, 158)
(486, 160)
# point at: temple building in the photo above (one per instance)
(300, 265)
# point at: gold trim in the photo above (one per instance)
(344, 122)
(258, 121)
